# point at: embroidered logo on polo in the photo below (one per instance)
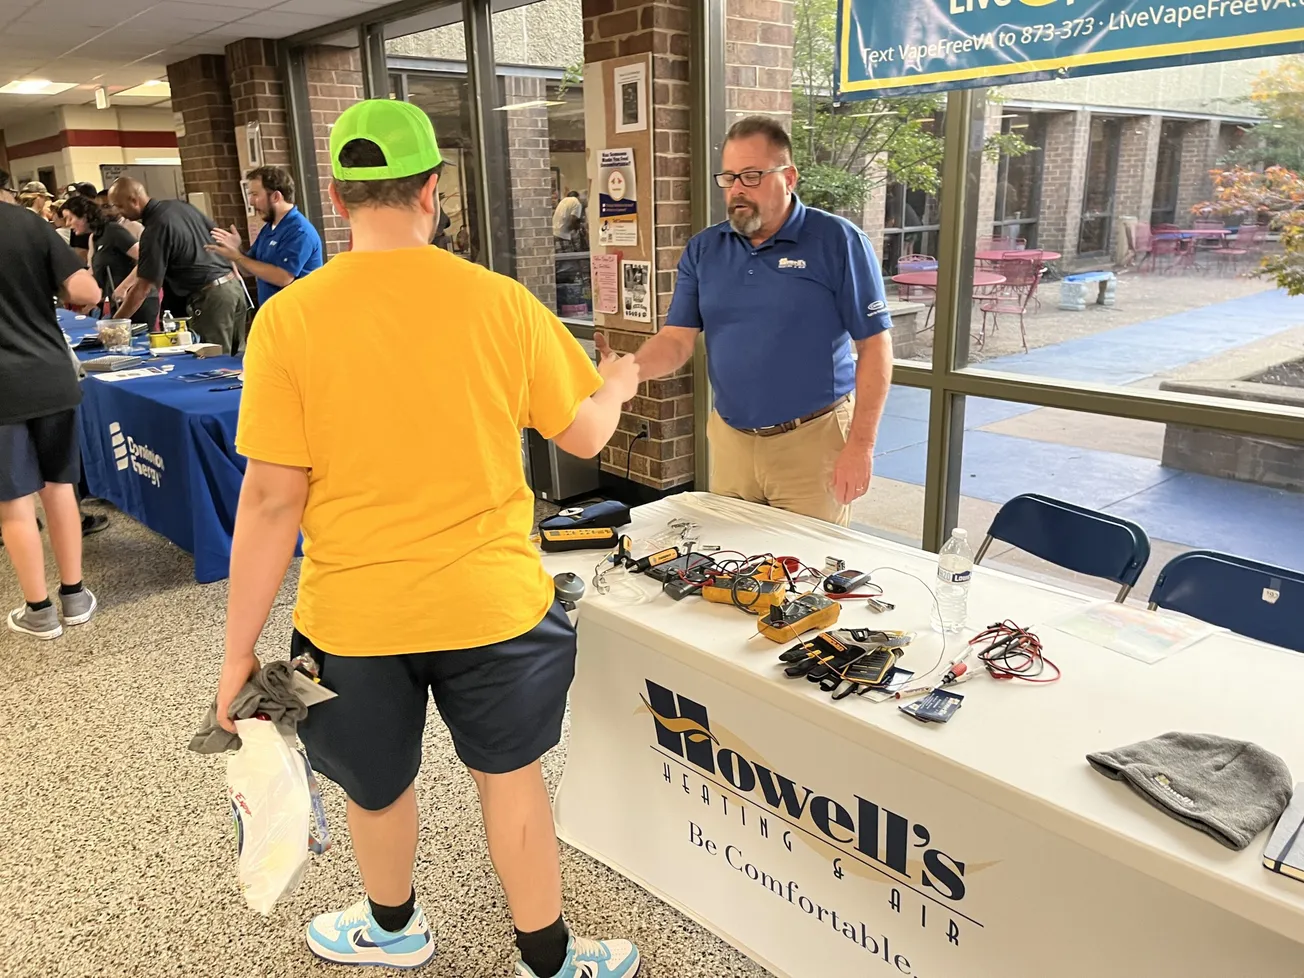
(876, 307)
(792, 262)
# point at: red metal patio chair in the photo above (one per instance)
(1243, 243)
(1022, 274)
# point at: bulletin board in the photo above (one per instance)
(618, 116)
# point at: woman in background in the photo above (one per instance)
(113, 252)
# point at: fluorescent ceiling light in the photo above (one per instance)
(36, 86)
(151, 89)
(537, 103)
(157, 161)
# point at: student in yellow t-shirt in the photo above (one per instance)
(383, 403)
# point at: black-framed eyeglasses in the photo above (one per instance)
(748, 178)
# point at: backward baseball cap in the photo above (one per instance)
(401, 130)
(1229, 789)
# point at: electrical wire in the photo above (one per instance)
(1013, 652)
(629, 452)
(941, 657)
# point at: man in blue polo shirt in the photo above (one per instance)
(288, 247)
(781, 292)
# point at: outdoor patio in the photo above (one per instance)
(1163, 329)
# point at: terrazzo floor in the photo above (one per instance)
(116, 850)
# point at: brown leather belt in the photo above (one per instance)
(228, 277)
(778, 429)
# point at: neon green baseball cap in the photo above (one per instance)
(403, 132)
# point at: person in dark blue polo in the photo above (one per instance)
(782, 293)
(288, 246)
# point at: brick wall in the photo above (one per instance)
(1138, 158)
(334, 76)
(531, 181)
(209, 163)
(614, 28)
(989, 181)
(1224, 455)
(758, 59)
(257, 95)
(1200, 143)
(1064, 164)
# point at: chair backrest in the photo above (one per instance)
(1073, 537)
(1208, 225)
(1022, 271)
(1141, 237)
(1257, 600)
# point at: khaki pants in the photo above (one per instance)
(219, 315)
(792, 471)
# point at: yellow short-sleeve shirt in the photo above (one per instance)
(402, 380)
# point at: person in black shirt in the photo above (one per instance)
(173, 253)
(39, 451)
(113, 251)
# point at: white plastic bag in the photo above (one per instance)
(271, 802)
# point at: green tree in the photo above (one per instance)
(1274, 197)
(845, 150)
(1278, 95)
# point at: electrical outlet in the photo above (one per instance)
(644, 430)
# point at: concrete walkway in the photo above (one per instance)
(1182, 508)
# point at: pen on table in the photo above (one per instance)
(229, 387)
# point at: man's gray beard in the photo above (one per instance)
(748, 225)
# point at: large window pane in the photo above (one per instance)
(428, 67)
(1117, 177)
(539, 50)
(875, 162)
(1188, 488)
(894, 505)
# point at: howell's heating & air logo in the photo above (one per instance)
(864, 828)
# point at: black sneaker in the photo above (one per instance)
(93, 523)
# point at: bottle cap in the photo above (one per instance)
(960, 532)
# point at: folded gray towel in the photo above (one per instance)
(1229, 789)
(270, 691)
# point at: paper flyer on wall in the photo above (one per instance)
(1139, 634)
(636, 280)
(605, 276)
(617, 198)
(630, 82)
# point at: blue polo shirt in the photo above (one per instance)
(779, 317)
(292, 243)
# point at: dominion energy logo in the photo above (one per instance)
(889, 840)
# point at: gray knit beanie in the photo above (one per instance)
(1229, 789)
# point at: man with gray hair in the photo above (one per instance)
(782, 292)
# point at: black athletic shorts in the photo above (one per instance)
(38, 451)
(502, 703)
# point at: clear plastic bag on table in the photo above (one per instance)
(279, 818)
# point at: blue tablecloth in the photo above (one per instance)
(181, 475)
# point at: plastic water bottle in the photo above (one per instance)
(954, 568)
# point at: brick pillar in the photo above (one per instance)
(1138, 158)
(758, 59)
(209, 163)
(874, 217)
(1064, 170)
(334, 77)
(665, 458)
(531, 179)
(1199, 156)
(257, 96)
(989, 179)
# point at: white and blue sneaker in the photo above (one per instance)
(592, 959)
(352, 936)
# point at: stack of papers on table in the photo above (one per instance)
(1139, 634)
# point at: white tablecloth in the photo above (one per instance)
(1003, 788)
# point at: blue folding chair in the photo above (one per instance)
(1073, 537)
(1257, 600)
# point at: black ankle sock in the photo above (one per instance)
(70, 588)
(544, 950)
(39, 605)
(394, 919)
